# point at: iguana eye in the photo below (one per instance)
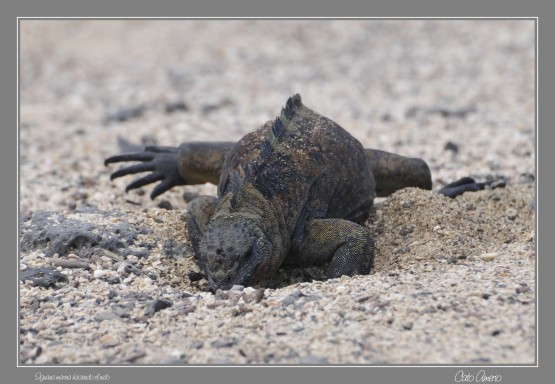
(227, 279)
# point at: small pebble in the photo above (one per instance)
(488, 256)
(510, 213)
(99, 273)
(408, 326)
(251, 294)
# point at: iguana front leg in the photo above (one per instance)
(347, 245)
(189, 164)
(199, 213)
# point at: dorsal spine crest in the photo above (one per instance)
(279, 126)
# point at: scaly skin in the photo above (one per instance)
(295, 190)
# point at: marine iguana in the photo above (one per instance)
(294, 191)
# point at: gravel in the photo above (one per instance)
(109, 278)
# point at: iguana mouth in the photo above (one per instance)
(224, 276)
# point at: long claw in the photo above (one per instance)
(466, 184)
(164, 186)
(143, 167)
(160, 149)
(160, 161)
(142, 156)
(148, 179)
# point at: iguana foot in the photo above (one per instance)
(347, 245)
(465, 184)
(161, 161)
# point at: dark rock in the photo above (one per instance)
(45, 277)
(450, 146)
(165, 204)
(223, 343)
(174, 106)
(157, 305)
(125, 114)
(79, 237)
(195, 276)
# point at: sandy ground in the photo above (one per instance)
(454, 280)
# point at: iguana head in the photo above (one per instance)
(241, 243)
(235, 251)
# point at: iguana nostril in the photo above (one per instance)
(219, 251)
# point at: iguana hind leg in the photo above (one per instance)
(393, 172)
(347, 245)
